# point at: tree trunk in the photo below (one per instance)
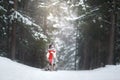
(8, 31)
(13, 43)
(112, 36)
(86, 55)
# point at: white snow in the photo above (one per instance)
(10, 70)
(48, 5)
(11, 2)
(1, 8)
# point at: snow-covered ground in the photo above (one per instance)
(10, 70)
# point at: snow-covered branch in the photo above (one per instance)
(46, 5)
(1, 8)
(19, 17)
(81, 16)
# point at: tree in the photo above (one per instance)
(13, 38)
(22, 34)
(112, 34)
(96, 34)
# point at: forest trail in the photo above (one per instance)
(10, 70)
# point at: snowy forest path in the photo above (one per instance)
(10, 70)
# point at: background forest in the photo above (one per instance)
(86, 33)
